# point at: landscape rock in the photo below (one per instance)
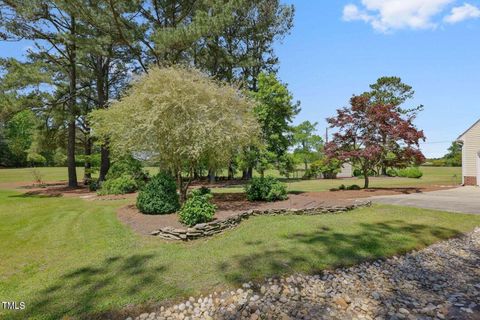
(439, 282)
(215, 227)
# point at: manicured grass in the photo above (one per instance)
(432, 176)
(68, 256)
(26, 174)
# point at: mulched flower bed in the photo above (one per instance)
(230, 205)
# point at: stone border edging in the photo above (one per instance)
(215, 227)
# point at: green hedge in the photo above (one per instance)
(159, 196)
(412, 172)
(121, 185)
(265, 189)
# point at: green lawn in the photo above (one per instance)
(72, 256)
(432, 176)
(26, 174)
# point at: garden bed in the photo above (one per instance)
(231, 206)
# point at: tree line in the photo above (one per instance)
(85, 53)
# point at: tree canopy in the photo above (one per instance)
(307, 143)
(275, 110)
(85, 53)
(362, 129)
(179, 117)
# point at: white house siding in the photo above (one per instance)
(471, 147)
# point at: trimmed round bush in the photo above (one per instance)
(265, 189)
(197, 209)
(121, 185)
(412, 172)
(159, 196)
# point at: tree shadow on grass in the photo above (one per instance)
(402, 190)
(79, 292)
(414, 279)
(326, 248)
(35, 194)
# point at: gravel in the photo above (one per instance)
(439, 282)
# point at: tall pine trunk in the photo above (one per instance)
(231, 174)
(72, 170)
(102, 97)
(87, 176)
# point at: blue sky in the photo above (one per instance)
(326, 59)
(337, 48)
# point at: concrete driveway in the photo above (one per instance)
(463, 199)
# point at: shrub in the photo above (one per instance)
(159, 196)
(309, 174)
(197, 209)
(412, 172)
(201, 191)
(353, 187)
(328, 167)
(93, 185)
(121, 185)
(357, 173)
(344, 187)
(79, 160)
(438, 163)
(392, 173)
(36, 159)
(128, 166)
(265, 189)
(37, 176)
(59, 158)
(278, 191)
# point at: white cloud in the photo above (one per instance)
(388, 15)
(458, 14)
(351, 13)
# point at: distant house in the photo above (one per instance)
(470, 141)
(347, 171)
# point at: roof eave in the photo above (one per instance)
(460, 138)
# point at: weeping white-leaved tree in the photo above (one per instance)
(179, 116)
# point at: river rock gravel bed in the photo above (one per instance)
(441, 281)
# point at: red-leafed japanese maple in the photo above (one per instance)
(361, 132)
